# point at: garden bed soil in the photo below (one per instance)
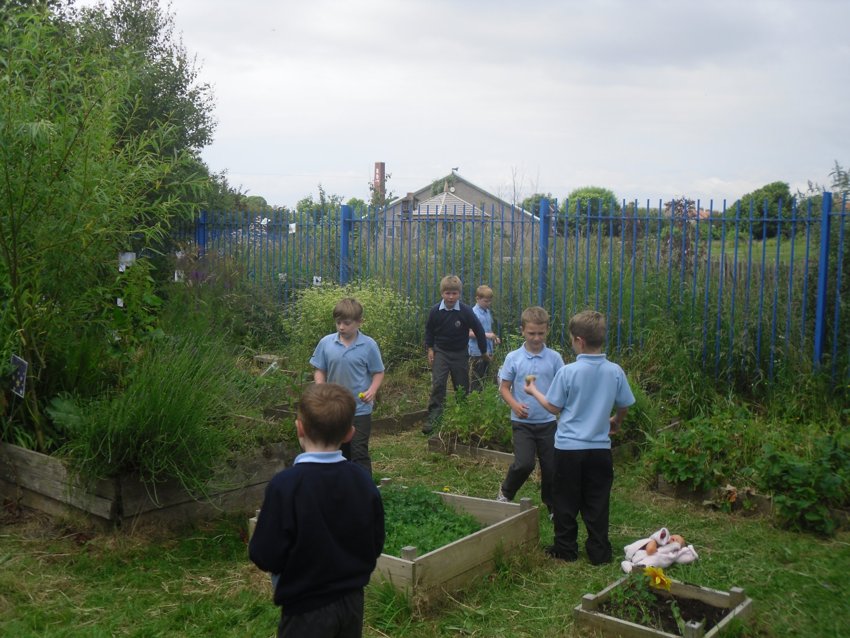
(706, 612)
(743, 501)
(43, 483)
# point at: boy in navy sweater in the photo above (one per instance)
(447, 338)
(321, 526)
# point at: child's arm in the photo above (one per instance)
(537, 394)
(372, 391)
(319, 376)
(617, 420)
(520, 409)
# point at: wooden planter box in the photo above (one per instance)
(386, 425)
(738, 605)
(509, 527)
(42, 482)
(436, 444)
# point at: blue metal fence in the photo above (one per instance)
(759, 284)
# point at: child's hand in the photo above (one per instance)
(521, 410)
(529, 381)
(615, 427)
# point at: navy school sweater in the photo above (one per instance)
(449, 329)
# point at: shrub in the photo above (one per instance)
(706, 452)
(477, 418)
(388, 317)
(806, 490)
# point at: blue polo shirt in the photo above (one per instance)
(543, 365)
(587, 391)
(486, 319)
(350, 366)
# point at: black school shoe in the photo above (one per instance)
(552, 552)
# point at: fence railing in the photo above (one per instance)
(755, 284)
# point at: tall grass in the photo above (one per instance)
(172, 419)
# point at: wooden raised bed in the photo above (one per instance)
(386, 425)
(738, 605)
(509, 527)
(42, 482)
(448, 446)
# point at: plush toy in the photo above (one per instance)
(661, 549)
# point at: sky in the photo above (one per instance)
(653, 99)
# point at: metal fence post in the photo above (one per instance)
(201, 233)
(543, 252)
(823, 279)
(346, 222)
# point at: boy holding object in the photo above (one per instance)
(532, 426)
(583, 394)
(321, 527)
(352, 359)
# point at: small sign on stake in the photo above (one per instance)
(19, 376)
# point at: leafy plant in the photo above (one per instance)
(637, 600)
(417, 516)
(807, 490)
(703, 453)
(477, 418)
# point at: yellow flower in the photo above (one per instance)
(447, 489)
(361, 396)
(657, 578)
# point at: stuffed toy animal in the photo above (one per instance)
(661, 549)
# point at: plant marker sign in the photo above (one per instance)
(19, 376)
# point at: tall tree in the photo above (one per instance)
(769, 206)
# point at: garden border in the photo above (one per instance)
(735, 600)
(43, 482)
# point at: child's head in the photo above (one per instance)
(484, 293)
(534, 325)
(348, 309)
(451, 283)
(590, 327)
(450, 288)
(326, 412)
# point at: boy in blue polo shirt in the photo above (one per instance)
(532, 426)
(353, 360)
(478, 365)
(583, 394)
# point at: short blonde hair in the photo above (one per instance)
(348, 309)
(484, 292)
(450, 282)
(591, 326)
(326, 411)
(534, 314)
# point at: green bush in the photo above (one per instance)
(388, 317)
(171, 419)
(706, 452)
(807, 490)
(477, 418)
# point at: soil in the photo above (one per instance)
(689, 608)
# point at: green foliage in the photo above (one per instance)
(388, 318)
(477, 418)
(78, 190)
(414, 515)
(770, 203)
(705, 453)
(171, 419)
(807, 490)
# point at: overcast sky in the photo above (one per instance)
(653, 99)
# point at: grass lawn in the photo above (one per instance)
(58, 578)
